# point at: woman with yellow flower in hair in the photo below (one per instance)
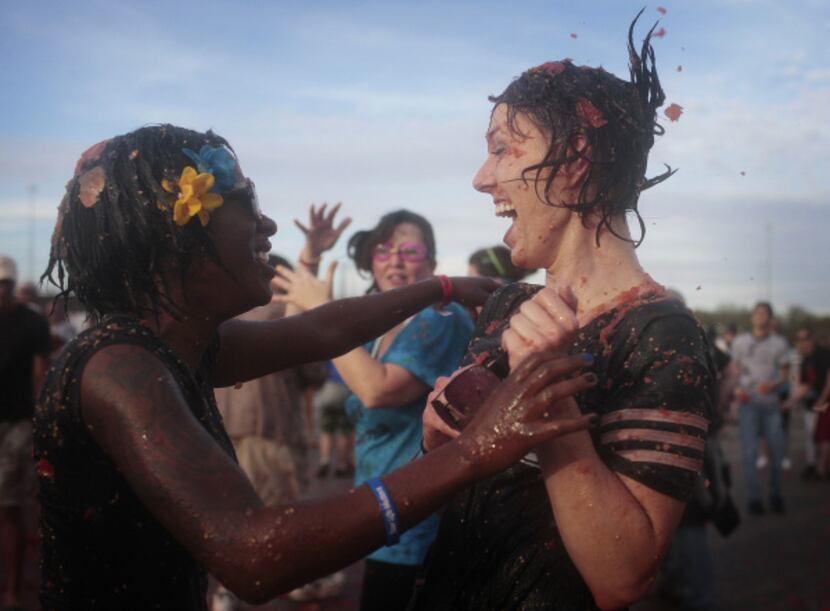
(140, 491)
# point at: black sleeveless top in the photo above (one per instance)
(498, 547)
(102, 549)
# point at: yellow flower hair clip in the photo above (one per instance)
(194, 196)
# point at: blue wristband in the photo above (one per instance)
(387, 510)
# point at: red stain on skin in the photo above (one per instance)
(237, 386)
(673, 112)
(517, 153)
(45, 469)
(623, 303)
(661, 33)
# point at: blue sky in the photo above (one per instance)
(384, 105)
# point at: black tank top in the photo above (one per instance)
(102, 549)
(499, 547)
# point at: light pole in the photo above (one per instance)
(32, 190)
(768, 263)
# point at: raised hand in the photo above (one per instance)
(547, 321)
(301, 289)
(521, 413)
(320, 234)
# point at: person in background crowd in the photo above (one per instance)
(321, 233)
(762, 359)
(390, 378)
(61, 328)
(812, 395)
(494, 262)
(161, 239)
(28, 295)
(24, 351)
(336, 428)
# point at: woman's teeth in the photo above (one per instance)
(505, 209)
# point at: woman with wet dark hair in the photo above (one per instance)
(583, 521)
(389, 379)
(161, 238)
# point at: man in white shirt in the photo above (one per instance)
(762, 360)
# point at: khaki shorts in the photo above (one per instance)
(17, 469)
(269, 466)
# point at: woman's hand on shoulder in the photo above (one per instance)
(472, 292)
(546, 322)
(301, 289)
(521, 413)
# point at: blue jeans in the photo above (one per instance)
(754, 420)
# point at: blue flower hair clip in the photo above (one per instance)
(216, 161)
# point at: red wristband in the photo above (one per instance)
(446, 289)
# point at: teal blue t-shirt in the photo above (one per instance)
(387, 438)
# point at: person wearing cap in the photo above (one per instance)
(24, 351)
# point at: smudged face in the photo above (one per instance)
(536, 229)
(761, 318)
(240, 231)
(395, 264)
(805, 343)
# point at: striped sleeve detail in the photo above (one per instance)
(655, 436)
(663, 437)
(662, 458)
(656, 415)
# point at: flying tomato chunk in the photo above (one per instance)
(673, 112)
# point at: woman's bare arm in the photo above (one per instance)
(252, 349)
(136, 413)
(615, 529)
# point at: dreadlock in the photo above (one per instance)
(110, 252)
(617, 119)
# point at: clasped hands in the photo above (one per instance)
(537, 336)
